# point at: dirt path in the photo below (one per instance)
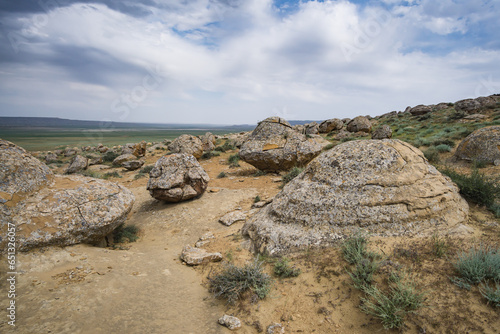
(145, 289)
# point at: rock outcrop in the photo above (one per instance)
(420, 110)
(51, 209)
(359, 124)
(330, 125)
(384, 186)
(177, 177)
(481, 145)
(187, 144)
(208, 142)
(275, 146)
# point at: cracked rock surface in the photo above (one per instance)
(48, 209)
(177, 177)
(274, 145)
(386, 187)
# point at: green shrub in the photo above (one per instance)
(293, 173)
(123, 232)
(476, 187)
(362, 275)
(227, 146)
(479, 164)
(111, 174)
(233, 281)
(234, 160)
(354, 248)
(209, 155)
(443, 148)
(260, 173)
(392, 307)
(91, 173)
(432, 155)
(492, 295)
(328, 147)
(256, 199)
(479, 264)
(110, 156)
(283, 269)
(221, 175)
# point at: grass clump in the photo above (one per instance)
(392, 307)
(283, 269)
(234, 160)
(91, 173)
(143, 172)
(439, 245)
(111, 174)
(362, 275)
(221, 175)
(110, 156)
(432, 155)
(209, 155)
(354, 248)
(479, 264)
(256, 199)
(125, 233)
(476, 187)
(260, 173)
(234, 281)
(227, 146)
(492, 295)
(443, 148)
(293, 173)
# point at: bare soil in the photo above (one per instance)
(143, 287)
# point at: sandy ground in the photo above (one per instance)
(145, 288)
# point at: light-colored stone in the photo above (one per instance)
(196, 256)
(386, 187)
(230, 322)
(77, 164)
(383, 132)
(232, 217)
(420, 110)
(187, 144)
(208, 142)
(469, 106)
(177, 177)
(275, 146)
(276, 328)
(132, 164)
(481, 145)
(122, 158)
(330, 125)
(50, 157)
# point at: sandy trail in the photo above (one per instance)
(145, 289)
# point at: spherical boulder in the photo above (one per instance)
(177, 177)
(386, 187)
(331, 125)
(359, 124)
(187, 144)
(383, 132)
(274, 145)
(481, 145)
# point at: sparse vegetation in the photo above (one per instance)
(260, 173)
(110, 156)
(221, 175)
(209, 155)
(91, 173)
(439, 245)
(443, 148)
(479, 264)
(293, 173)
(143, 172)
(125, 233)
(227, 146)
(283, 269)
(234, 160)
(256, 199)
(233, 282)
(432, 155)
(492, 295)
(111, 174)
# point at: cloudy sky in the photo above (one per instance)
(240, 61)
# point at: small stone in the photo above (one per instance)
(232, 217)
(230, 322)
(196, 256)
(276, 328)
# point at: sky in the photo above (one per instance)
(241, 61)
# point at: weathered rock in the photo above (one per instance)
(276, 328)
(386, 187)
(137, 149)
(383, 132)
(95, 160)
(275, 146)
(177, 177)
(122, 158)
(237, 139)
(232, 217)
(20, 172)
(208, 142)
(101, 148)
(132, 164)
(420, 110)
(359, 124)
(311, 128)
(441, 106)
(69, 151)
(187, 144)
(487, 101)
(50, 157)
(474, 117)
(55, 210)
(482, 145)
(469, 106)
(78, 163)
(204, 239)
(196, 256)
(330, 125)
(230, 322)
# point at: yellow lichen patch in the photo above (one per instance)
(268, 147)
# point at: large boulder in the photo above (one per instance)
(77, 164)
(331, 125)
(187, 144)
(132, 164)
(482, 145)
(311, 128)
(383, 132)
(420, 110)
(468, 106)
(49, 209)
(275, 146)
(177, 177)
(359, 124)
(208, 142)
(119, 160)
(386, 187)
(137, 149)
